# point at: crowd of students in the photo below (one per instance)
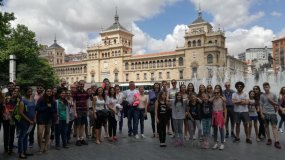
(57, 112)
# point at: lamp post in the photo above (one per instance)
(12, 68)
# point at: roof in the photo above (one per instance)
(153, 54)
(199, 18)
(116, 25)
(282, 38)
(55, 45)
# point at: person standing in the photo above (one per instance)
(80, 98)
(269, 107)
(178, 116)
(112, 103)
(206, 116)
(253, 108)
(99, 111)
(228, 93)
(142, 110)
(133, 110)
(8, 120)
(46, 109)
(219, 115)
(161, 116)
(282, 116)
(71, 118)
(240, 101)
(261, 130)
(27, 108)
(152, 96)
(171, 98)
(62, 120)
(119, 96)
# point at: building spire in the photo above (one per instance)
(116, 16)
(55, 38)
(199, 11)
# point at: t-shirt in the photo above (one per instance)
(61, 110)
(100, 104)
(252, 108)
(194, 110)
(178, 110)
(30, 108)
(267, 107)
(239, 97)
(129, 95)
(218, 105)
(206, 110)
(171, 93)
(81, 98)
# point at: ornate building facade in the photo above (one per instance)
(203, 55)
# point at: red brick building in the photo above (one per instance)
(278, 47)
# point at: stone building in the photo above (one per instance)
(278, 46)
(203, 56)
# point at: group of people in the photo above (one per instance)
(179, 111)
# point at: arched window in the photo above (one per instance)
(210, 42)
(199, 42)
(165, 63)
(210, 59)
(132, 66)
(136, 65)
(139, 65)
(115, 41)
(181, 61)
(161, 63)
(158, 63)
(126, 66)
(146, 65)
(154, 64)
(150, 64)
(194, 43)
(169, 63)
(174, 62)
(189, 43)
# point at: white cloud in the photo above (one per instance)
(241, 39)
(143, 42)
(230, 14)
(73, 20)
(276, 14)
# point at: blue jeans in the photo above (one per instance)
(23, 137)
(141, 119)
(61, 131)
(133, 120)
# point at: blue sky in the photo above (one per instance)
(157, 25)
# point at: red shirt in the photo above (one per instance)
(81, 97)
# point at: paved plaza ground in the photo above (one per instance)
(128, 148)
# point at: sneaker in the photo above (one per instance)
(222, 147)
(277, 145)
(83, 142)
(248, 141)
(172, 136)
(153, 136)
(143, 136)
(233, 135)
(257, 139)
(236, 140)
(207, 145)
(115, 138)
(65, 147)
(194, 137)
(280, 130)
(227, 134)
(130, 134)
(215, 146)
(78, 143)
(137, 136)
(269, 142)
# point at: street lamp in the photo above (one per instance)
(12, 68)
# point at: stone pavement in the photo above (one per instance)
(128, 148)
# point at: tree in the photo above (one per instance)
(20, 41)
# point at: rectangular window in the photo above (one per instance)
(144, 76)
(160, 75)
(116, 77)
(168, 75)
(152, 77)
(127, 77)
(181, 74)
(138, 76)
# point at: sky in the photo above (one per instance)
(157, 25)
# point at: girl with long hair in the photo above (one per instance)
(161, 117)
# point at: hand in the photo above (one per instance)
(31, 122)
(145, 114)
(262, 116)
(157, 121)
(95, 115)
(75, 115)
(49, 104)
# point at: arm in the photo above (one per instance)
(225, 110)
(146, 104)
(155, 109)
(94, 106)
(21, 110)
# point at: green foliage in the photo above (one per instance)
(20, 41)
